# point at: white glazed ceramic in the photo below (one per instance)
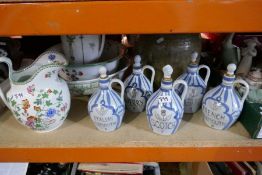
(222, 105)
(165, 108)
(196, 85)
(105, 107)
(82, 49)
(137, 87)
(113, 52)
(38, 98)
(88, 87)
(4, 86)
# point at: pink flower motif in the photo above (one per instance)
(64, 107)
(31, 89)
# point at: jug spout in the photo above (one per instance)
(10, 70)
(51, 71)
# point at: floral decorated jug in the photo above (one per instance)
(38, 98)
(196, 85)
(106, 108)
(222, 105)
(165, 108)
(137, 87)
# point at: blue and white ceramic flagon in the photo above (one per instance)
(165, 108)
(137, 87)
(222, 106)
(106, 108)
(196, 85)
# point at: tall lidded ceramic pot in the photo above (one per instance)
(165, 108)
(222, 105)
(105, 107)
(38, 98)
(196, 85)
(137, 87)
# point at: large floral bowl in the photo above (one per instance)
(87, 87)
(112, 53)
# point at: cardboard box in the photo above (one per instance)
(251, 118)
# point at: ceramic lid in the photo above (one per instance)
(230, 70)
(137, 63)
(102, 72)
(168, 70)
(193, 66)
(194, 56)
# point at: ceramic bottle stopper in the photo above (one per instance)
(221, 105)
(105, 107)
(137, 87)
(165, 108)
(196, 85)
(38, 98)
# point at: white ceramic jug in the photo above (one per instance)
(165, 108)
(82, 49)
(105, 107)
(38, 98)
(137, 87)
(222, 105)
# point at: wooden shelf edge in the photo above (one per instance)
(116, 17)
(131, 154)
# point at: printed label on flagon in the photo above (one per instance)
(214, 115)
(104, 119)
(163, 121)
(134, 101)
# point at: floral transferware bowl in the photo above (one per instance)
(110, 57)
(87, 87)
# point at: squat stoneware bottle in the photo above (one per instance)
(137, 87)
(196, 85)
(222, 105)
(165, 108)
(105, 107)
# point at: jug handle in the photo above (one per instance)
(102, 45)
(121, 84)
(10, 70)
(153, 73)
(208, 72)
(246, 89)
(185, 88)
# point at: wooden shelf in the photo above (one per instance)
(35, 17)
(78, 140)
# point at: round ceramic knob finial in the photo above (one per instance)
(168, 70)
(231, 69)
(137, 61)
(102, 72)
(194, 56)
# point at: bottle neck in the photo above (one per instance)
(192, 68)
(166, 84)
(137, 70)
(104, 83)
(228, 81)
